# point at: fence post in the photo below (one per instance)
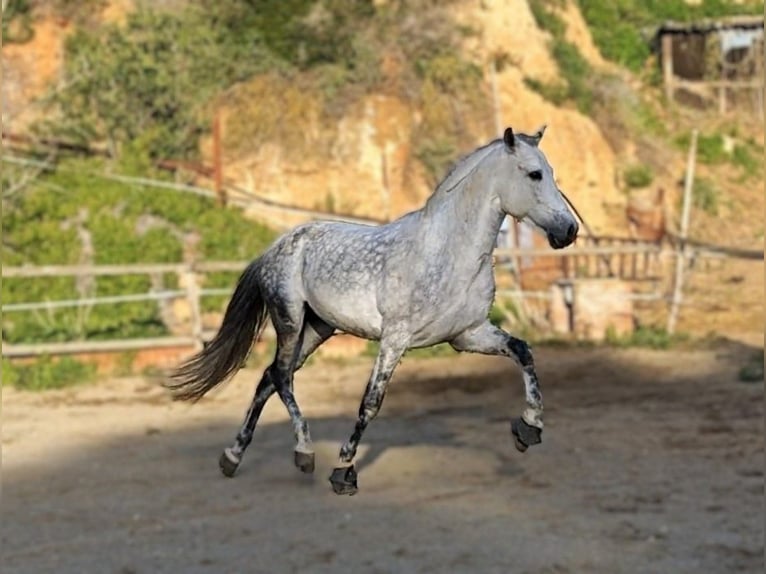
(193, 298)
(681, 251)
(217, 160)
(667, 65)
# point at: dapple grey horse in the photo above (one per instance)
(423, 279)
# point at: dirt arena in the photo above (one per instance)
(651, 462)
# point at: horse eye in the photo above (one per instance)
(536, 175)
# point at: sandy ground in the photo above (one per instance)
(651, 462)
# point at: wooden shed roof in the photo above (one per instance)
(709, 25)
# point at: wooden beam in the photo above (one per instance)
(73, 347)
(667, 65)
(80, 270)
(574, 251)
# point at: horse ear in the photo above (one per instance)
(539, 134)
(509, 138)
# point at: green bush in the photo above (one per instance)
(711, 150)
(705, 196)
(573, 67)
(743, 158)
(17, 22)
(546, 19)
(577, 72)
(651, 336)
(638, 176)
(554, 92)
(46, 373)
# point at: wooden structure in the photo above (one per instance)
(592, 261)
(714, 60)
(600, 257)
(592, 257)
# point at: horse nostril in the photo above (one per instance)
(572, 231)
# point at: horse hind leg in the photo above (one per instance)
(232, 456)
(315, 332)
(299, 333)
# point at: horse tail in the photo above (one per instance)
(217, 362)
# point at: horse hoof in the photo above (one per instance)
(228, 463)
(304, 461)
(524, 435)
(343, 480)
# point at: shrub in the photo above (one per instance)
(573, 67)
(651, 336)
(705, 196)
(547, 19)
(46, 373)
(742, 157)
(17, 22)
(638, 176)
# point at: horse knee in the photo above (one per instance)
(520, 349)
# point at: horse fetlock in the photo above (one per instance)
(533, 416)
(229, 462)
(305, 461)
(347, 452)
(524, 434)
(343, 480)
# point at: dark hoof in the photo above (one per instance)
(343, 480)
(305, 461)
(524, 435)
(227, 464)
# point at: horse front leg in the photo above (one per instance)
(489, 340)
(343, 478)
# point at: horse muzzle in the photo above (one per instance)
(563, 236)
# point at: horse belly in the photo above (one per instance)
(354, 311)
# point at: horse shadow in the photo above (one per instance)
(440, 411)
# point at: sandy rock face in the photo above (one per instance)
(369, 171)
(372, 172)
(580, 155)
(28, 70)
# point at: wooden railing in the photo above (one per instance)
(627, 259)
(614, 257)
(191, 278)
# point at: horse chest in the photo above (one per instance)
(442, 310)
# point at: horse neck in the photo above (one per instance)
(464, 221)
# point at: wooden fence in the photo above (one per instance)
(625, 259)
(191, 277)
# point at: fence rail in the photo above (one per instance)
(592, 257)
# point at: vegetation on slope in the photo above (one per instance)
(73, 215)
(147, 86)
